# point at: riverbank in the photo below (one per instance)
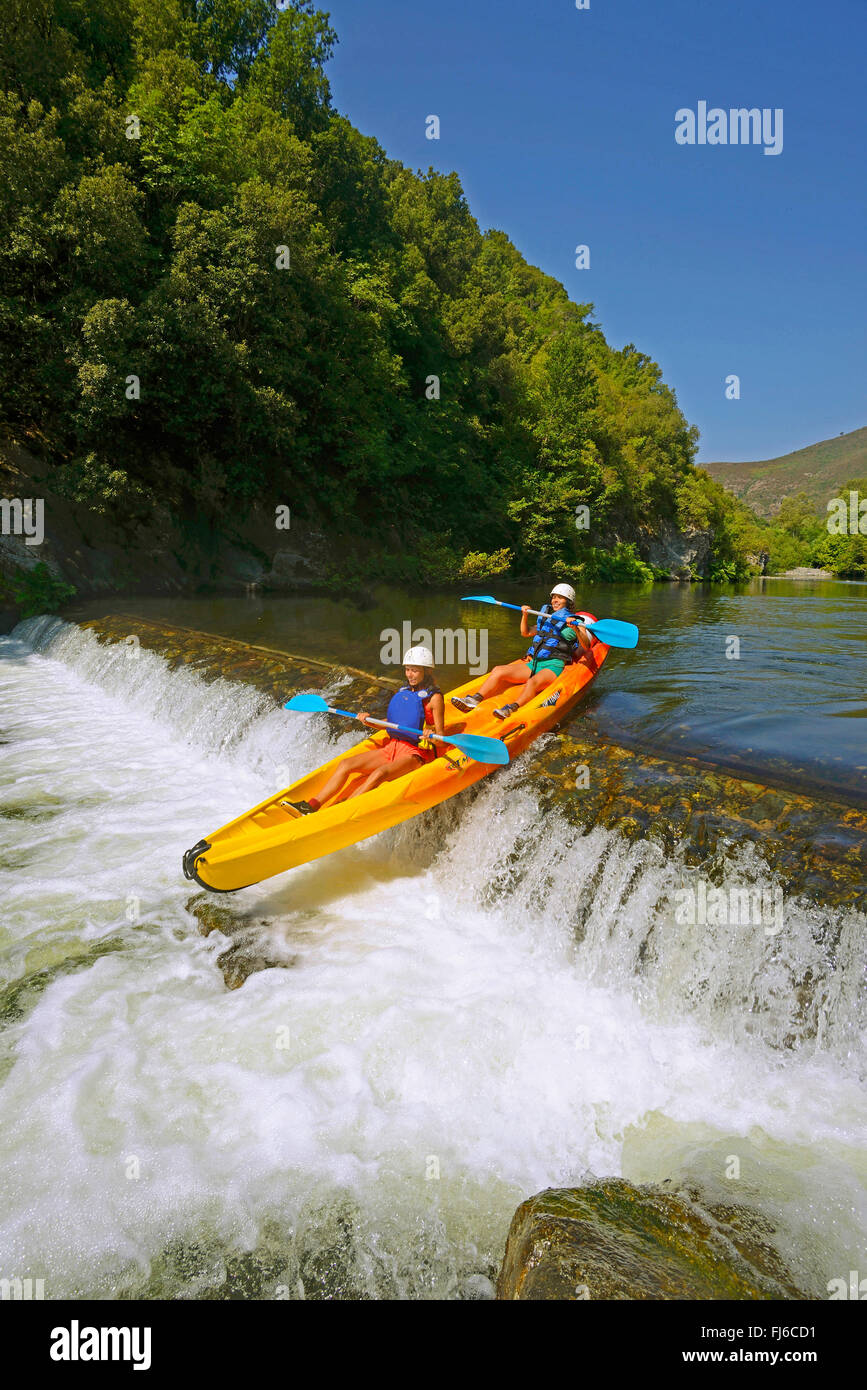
(119, 551)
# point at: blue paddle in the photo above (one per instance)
(481, 750)
(611, 631)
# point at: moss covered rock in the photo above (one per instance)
(617, 1241)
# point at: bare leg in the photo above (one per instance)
(359, 762)
(534, 685)
(502, 677)
(386, 772)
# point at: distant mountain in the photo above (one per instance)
(819, 470)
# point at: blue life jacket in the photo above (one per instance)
(406, 707)
(548, 644)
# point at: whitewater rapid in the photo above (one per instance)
(472, 1007)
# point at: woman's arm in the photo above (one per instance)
(438, 709)
(525, 631)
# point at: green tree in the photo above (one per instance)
(845, 555)
(798, 516)
(288, 71)
(104, 238)
(43, 42)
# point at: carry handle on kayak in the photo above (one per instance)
(610, 631)
(477, 747)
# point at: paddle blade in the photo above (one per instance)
(307, 704)
(478, 598)
(615, 633)
(480, 749)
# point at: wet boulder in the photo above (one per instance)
(617, 1241)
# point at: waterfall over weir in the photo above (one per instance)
(476, 1005)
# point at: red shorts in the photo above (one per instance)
(396, 749)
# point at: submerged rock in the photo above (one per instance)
(19, 995)
(252, 944)
(617, 1241)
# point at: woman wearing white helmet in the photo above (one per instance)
(417, 705)
(556, 638)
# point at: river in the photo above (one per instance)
(446, 1035)
(762, 677)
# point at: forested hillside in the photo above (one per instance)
(820, 471)
(801, 500)
(217, 294)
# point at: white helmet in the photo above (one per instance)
(418, 656)
(566, 590)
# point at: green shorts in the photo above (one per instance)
(555, 666)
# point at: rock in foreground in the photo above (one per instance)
(618, 1241)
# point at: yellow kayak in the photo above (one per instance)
(271, 838)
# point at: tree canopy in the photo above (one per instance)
(217, 288)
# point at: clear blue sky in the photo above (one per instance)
(714, 259)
